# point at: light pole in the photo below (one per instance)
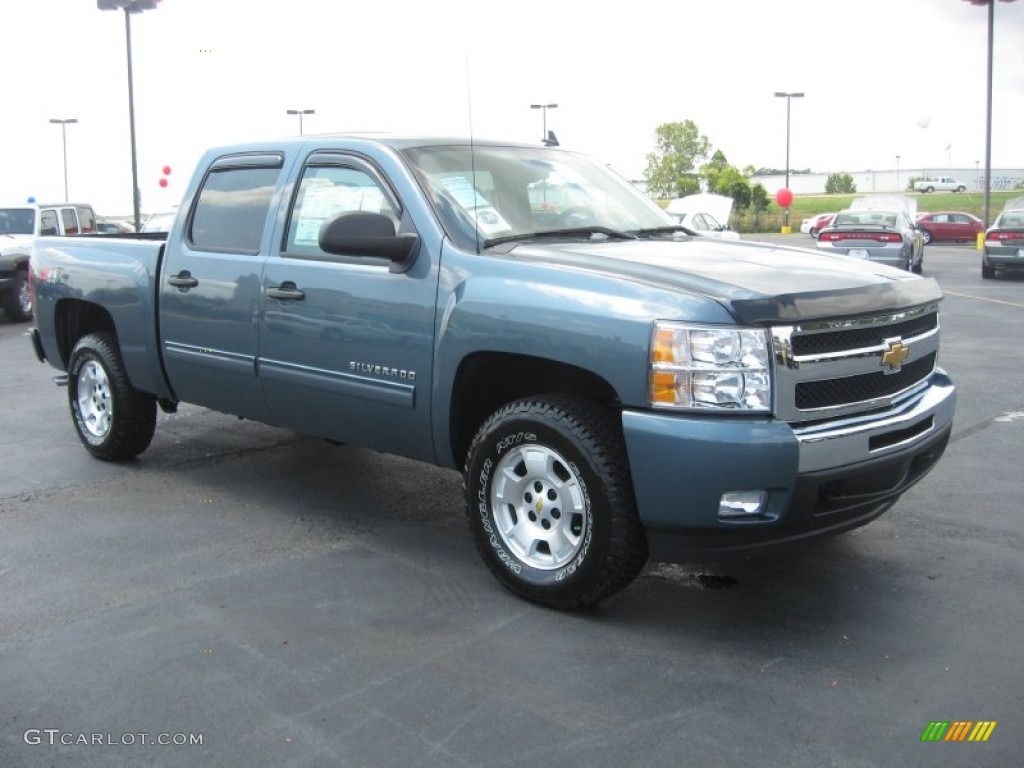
(898, 173)
(300, 113)
(63, 122)
(988, 104)
(129, 7)
(788, 97)
(544, 117)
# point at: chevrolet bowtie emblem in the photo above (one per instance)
(894, 356)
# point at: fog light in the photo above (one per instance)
(738, 505)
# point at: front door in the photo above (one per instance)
(345, 343)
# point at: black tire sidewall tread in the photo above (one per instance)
(590, 437)
(12, 300)
(133, 413)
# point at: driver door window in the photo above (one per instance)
(326, 191)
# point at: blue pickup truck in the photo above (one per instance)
(613, 387)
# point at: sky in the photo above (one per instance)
(881, 78)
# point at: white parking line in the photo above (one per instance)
(983, 298)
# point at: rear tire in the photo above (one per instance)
(114, 420)
(549, 501)
(926, 236)
(987, 272)
(961, 188)
(18, 303)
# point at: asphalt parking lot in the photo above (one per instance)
(289, 602)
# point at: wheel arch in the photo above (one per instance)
(485, 381)
(74, 319)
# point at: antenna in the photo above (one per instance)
(472, 158)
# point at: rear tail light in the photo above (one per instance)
(1000, 236)
(879, 237)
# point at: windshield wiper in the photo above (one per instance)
(612, 234)
(662, 231)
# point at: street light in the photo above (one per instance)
(544, 113)
(300, 113)
(63, 122)
(129, 7)
(988, 106)
(788, 97)
(897, 173)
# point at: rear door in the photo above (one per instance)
(346, 345)
(210, 292)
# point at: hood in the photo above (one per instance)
(718, 206)
(759, 282)
(12, 243)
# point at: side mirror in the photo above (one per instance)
(370, 235)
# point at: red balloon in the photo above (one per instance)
(163, 182)
(784, 198)
(167, 170)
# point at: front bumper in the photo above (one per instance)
(820, 480)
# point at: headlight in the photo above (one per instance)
(710, 367)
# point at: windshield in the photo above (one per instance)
(501, 193)
(17, 221)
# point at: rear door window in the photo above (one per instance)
(233, 204)
(86, 219)
(48, 222)
(70, 220)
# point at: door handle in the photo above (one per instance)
(286, 291)
(183, 280)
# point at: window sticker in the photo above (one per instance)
(323, 199)
(479, 208)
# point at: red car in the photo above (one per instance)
(949, 226)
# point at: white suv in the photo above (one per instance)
(20, 225)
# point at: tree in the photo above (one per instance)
(759, 202)
(713, 170)
(671, 168)
(840, 183)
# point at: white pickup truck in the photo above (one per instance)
(941, 184)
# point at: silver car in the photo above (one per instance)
(886, 235)
(1004, 241)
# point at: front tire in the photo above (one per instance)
(549, 501)
(114, 420)
(926, 236)
(18, 303)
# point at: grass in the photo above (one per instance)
(808, 205)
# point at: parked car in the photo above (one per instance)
(706, 214)
(113, 227)
(705, 224)
(812, 225)
(612, 391)
(1004, 241)
(949, 226)
(879, 228)
(20, 225)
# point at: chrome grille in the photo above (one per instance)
(855, 338)
(831, 368)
